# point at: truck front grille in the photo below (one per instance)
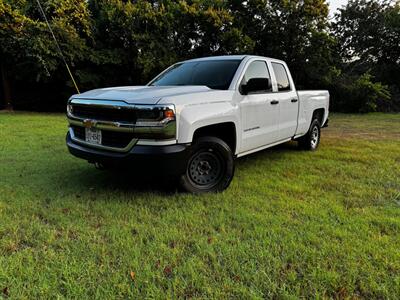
(114, 114)
(109, 138)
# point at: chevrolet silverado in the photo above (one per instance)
(195, 118)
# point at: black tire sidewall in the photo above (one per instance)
(305, 142)
(223, 151)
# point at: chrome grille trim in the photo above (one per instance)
(168, 127)
(102, 147)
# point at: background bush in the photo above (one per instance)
(117, 42)
(359, 94)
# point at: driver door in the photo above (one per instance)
(259, 110)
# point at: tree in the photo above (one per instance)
(126, 42)
(141, 38)
(368, 34)
(295, 31)
(28, 53)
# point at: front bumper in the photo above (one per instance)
(170, 159)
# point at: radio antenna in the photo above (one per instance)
(57, 45)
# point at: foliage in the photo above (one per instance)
(29, 56)
(359, 94)
(142, 38)
(293, 224)
(26, 42)
(369, 32)
(368, 35)
(119, 42)
(295, 31)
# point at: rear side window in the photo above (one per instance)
(282, 78)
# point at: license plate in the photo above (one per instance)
(93, 136)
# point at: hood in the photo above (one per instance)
(140, 94)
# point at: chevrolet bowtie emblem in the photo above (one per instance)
(89, 123)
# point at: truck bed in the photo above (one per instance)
(309, 101)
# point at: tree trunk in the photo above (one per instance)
(6, 87)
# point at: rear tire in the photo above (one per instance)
(210, 166)
(311, 140)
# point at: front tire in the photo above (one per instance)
(102, 166)
(311, 140)
(210, 166)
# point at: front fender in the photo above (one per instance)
(195, 116)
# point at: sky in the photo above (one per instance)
(335, 4)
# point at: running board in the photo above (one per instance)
(263, 147)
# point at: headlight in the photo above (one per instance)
(155, 116)
(69, 109)
(155, 122)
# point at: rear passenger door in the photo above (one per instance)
(259, 116)
(286, 94)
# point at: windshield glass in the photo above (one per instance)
(215, 74)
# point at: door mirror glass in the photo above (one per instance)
(256, 85)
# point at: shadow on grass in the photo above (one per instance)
(122, 179)
(83, 177)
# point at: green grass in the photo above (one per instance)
(292, 224)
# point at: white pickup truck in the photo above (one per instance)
(195, 118)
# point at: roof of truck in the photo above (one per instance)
(225, 57)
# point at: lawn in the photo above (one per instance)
(292, 224)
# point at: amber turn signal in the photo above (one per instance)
(169, 113)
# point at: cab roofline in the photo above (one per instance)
(227, 57)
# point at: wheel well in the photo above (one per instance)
(319, 115)
(224, 131)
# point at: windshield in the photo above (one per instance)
(215, 74)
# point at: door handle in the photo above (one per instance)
(273, 102)
(294, 100)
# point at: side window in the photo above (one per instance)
(256, 69)
(282, 78)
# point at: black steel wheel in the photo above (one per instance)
(210, 166)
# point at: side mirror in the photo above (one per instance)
(256, 85)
